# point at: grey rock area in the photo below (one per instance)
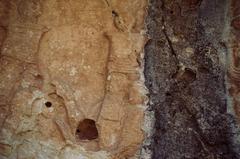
(185, 72)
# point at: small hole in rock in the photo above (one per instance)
(189, 75)
(87, 130)
(48, 104)
(114, 13)
(186, 74)
(168, 94)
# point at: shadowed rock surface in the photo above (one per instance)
(185, 71)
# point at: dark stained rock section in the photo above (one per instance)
(185, 74)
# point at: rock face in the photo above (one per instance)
(70, 82)
(186, 62)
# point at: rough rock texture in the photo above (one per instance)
(186, 61)
(233, 67)
(70, 85)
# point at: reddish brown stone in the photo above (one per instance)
(191, 3)
(236, 23)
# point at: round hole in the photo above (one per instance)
(114, 13)
(87, 130)
(48, 104)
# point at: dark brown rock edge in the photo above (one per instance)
(185, 71)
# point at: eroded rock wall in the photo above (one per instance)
(70, 83)
(191, 63)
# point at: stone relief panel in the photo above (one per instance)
(70, 81)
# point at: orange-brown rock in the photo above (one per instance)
(70, 82)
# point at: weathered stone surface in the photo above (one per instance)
(67, 67)
(71, 84)
(185, 69)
